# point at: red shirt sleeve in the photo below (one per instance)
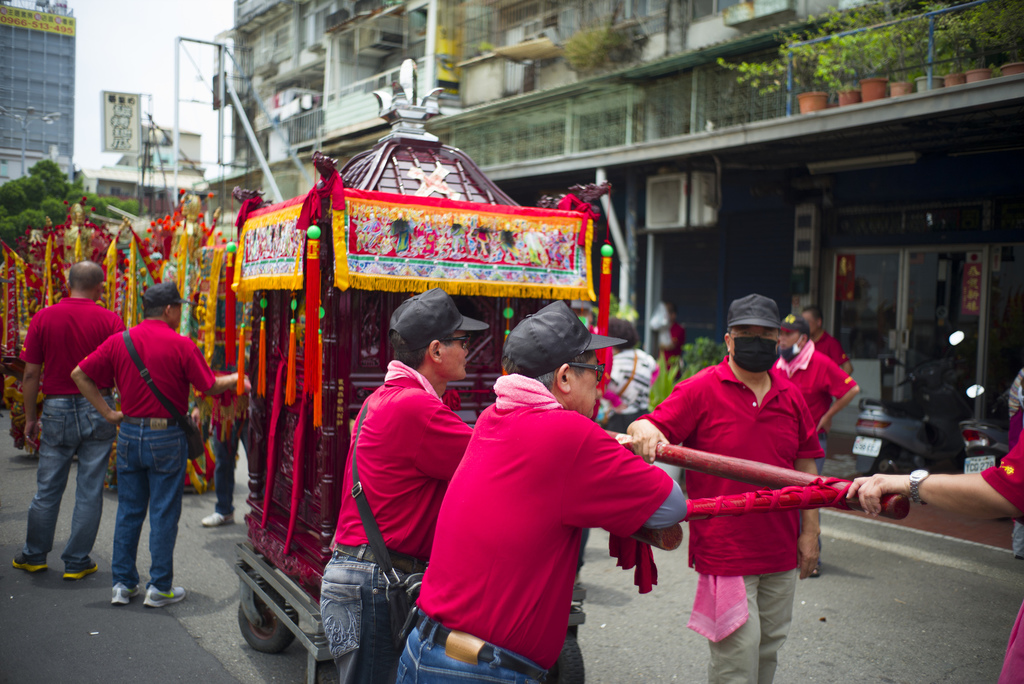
(1008, 478)
(609, 486)
(837, 381)
(33, 351)
(676, 417)
(444, 441)
(99, 366)
(197, 370)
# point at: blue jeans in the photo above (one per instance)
(69, 426)
(224, 472)
(150, 474)
(354, 609)
(424, 662)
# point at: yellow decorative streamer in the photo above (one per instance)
(212, 291)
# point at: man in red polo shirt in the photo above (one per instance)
(151, 447)
(409, 445)
(495, 600)
(58, 338)
(997, 492)
(738, 408)
(825, 343)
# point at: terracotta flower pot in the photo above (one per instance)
(954, 79)
(848, 97)
(975, 75)
(1012, 68)
(872, 88)
(900, 88)
(812, 102)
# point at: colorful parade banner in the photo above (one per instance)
(270, 250)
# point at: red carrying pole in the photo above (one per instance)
(229, 304)
(894, 506)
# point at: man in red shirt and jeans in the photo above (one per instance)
(409, 445)
(826, 344)
(495, 600)
(739, 408)
(58, 338)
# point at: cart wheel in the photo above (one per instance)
(568, 668)
(270, 637)
(326, 672)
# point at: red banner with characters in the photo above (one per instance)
(846, 277)
(970, 292)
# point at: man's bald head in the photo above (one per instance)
(85, 278)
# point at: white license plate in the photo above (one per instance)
(975, 464)
(867, 446)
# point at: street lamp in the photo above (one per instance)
(25, 119)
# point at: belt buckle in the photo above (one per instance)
(463, 647)
(158, 423)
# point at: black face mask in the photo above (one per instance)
(789, 353)
(754, 354)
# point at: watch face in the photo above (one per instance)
(918, 475)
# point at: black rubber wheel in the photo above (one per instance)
(886, 461)
(568, 668)
(326, 672)
(270, 637)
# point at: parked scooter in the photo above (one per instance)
(986, 440)
(901, 436)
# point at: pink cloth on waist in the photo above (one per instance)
(720, 606)
(1013, 664)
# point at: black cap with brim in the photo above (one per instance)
(754, 309)
(796, 323)
(429, 316)
(543, 341)
(162, 294)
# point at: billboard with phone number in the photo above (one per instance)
(37, 21)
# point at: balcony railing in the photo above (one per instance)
(354, 102)
(304, 128)
(36, 7)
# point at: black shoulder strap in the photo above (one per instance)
(373, 534)
(144, 372)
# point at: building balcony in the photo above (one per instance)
(353, 106)
(252, 14)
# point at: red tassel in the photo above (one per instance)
(318, 397)
(312, 356)
(289, 392)
(240, 389)
(261, 386)
(229, 304)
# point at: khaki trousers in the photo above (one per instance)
(750, 654)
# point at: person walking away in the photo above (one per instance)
(409, 445)
(151, 448)
(741, 409)
(58, 338)
(825, 343)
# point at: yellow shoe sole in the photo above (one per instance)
(28, 567)
(81, 573)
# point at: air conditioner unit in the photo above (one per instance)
(668, 198)
(378, 42)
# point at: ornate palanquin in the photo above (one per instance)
(498, 260)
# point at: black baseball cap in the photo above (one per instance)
(754, 309)
(162, 294)
(796, 323)
(554, 335)
(430, 316)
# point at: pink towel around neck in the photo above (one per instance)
(397, 369)
(799, 362)
(518, 391)
(720, 606)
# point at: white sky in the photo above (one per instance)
(128, 46)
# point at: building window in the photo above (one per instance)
(706, 8)
(3, 168)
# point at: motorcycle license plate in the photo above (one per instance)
(867, 446)
(975, 464)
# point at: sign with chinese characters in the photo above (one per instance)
(37, 21)
(970, 293)
(846, 277)
(121, 116)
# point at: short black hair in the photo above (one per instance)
(85, 276)
(814, 311)
(619, 327)
(412, 358)
(548, 379)
(153, 311)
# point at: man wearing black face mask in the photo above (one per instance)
(742, 408)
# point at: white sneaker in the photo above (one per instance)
(216, 519)
(157, 599)
(122, 594)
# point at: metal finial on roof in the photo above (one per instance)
(401, 109)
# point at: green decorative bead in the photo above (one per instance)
(607, 251)
(508, 312)
(320, 331)
(507, 332)
(232, 247)
(313, 233)
(293, 321)
(295, 304)
(263, 319)
(322, 312)
(263, 302)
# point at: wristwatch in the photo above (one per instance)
(916, 478)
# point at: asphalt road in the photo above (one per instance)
(892, 605)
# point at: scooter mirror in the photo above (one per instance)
(957, 337)
(975, 391)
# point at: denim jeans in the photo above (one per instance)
(150, 474)
(224, 472)
(69, 426)
(424, 662)
(354, 609)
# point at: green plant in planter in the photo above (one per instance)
(997, 25)
(590, 49)
(953, 39)
(908, 48)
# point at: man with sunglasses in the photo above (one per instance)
(409, 444)
(742, 408)
(495, 601)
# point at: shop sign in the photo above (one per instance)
(846, 277)
(970, 293)
(121, 122)
(37, 21)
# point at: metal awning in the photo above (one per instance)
(530, 50)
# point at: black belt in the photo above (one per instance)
(152, 423)
(508, 659)
(399, 561)
(103, 393)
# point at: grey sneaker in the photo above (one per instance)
(157, 599)
(216, 519)
(122, 594)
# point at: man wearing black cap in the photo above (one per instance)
(495, 600)
(739, 408)
(151, 448)
(409, 445)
